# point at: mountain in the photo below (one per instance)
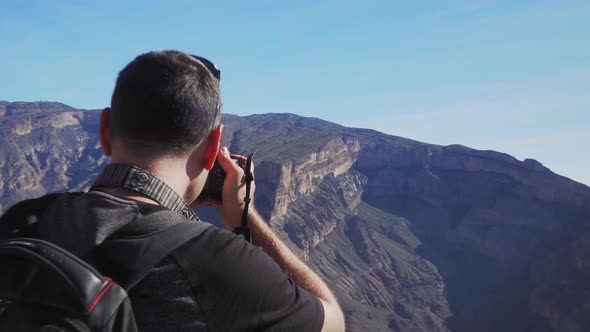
(411, 236)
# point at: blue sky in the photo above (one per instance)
(511, 76)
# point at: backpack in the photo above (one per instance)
(45, 288)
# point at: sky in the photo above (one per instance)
(509, 76)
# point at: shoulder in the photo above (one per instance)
(32, 204)
(217, 250)
(226, 271)
(27, 212)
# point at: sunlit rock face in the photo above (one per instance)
(46, 147)
(410, 236)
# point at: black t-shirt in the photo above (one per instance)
(215, 282)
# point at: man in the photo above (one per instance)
(164, 124)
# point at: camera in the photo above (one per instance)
(214, 184)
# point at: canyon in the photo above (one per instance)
(410, 236)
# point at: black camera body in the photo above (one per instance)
(214, 184)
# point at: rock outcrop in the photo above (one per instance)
(46, 147)
(411, 236)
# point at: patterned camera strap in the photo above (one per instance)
(141, 181)
(248, 178)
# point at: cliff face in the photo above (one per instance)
(411, 236)
(436, 237)
(494, 227)
(46, 147)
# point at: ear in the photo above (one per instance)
(104, 131)
(212, 147)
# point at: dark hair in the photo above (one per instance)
(164, 102)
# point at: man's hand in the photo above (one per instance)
(234, 189)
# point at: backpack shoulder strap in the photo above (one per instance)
(41, 274)
(128, 258)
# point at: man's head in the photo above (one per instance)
(164, 117)
(164, 103)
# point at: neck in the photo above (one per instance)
(176, 172)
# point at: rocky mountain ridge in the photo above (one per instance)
(412, 236)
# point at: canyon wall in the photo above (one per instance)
(410, 236)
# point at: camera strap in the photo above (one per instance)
(143, 182)
(248, 178)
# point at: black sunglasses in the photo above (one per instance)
(209, 65)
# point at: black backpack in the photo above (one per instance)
(45, 288)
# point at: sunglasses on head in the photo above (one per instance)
(209, 65)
